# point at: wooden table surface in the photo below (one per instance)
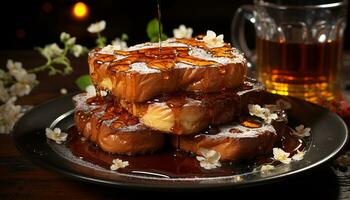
(20, 179)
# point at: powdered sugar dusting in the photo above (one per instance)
(183, 65)
(80, 104)
(167, 43)
(142, 68)
(202, 54)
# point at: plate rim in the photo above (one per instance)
(160, 186)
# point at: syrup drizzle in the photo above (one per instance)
(160, 31)
(111, 111)
(164, 59)
(169, 162)
(173, 162)
(228, 100)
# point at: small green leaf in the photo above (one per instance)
(152, 28)
(156, 39)
(83, 81)
(153, 31)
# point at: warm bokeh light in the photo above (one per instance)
(80, 10)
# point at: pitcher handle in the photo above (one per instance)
(242, 14)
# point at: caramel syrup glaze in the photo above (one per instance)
(174, 163)
(170, 162)
(112, 111)
(166, 162)
(164, 59)
(227, 100)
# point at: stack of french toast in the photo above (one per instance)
(182, 94)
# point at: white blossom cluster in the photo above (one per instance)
(15, 82)
(183, 32)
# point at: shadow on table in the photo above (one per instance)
(320, 183)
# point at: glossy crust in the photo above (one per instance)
(231, 146)
(104, 129)
(141, 85)
(188, 113)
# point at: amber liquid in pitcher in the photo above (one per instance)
(304, 70)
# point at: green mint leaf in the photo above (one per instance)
(153, 31)
(83, 81)
(156, 39)
(163, 37)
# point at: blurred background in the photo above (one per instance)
(26, 24)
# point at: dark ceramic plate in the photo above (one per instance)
(329, 134)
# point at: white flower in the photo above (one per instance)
(4, 95)
(209, 159)
(109, 49)
(52, 50)
(15, 69)
(263, 113)
(183, 32)
(71, 41)
(117, 164)
(21, 75)
(77, 50)
(9, 114)
(299, 156)
(25, 81)
(301, 131)
(97, 27)
(29, 79)
(20, 89)
(212, 40)
(282, 156)
(56, 135)
(119, 44)
(64, 36)
(266, 168)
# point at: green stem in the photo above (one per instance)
(42, 67)
(54, 70)
(65, 50)
(39, 69)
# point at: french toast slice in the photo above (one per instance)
(188, 113)
(113, 129)
(233, 141)
(144, 71)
